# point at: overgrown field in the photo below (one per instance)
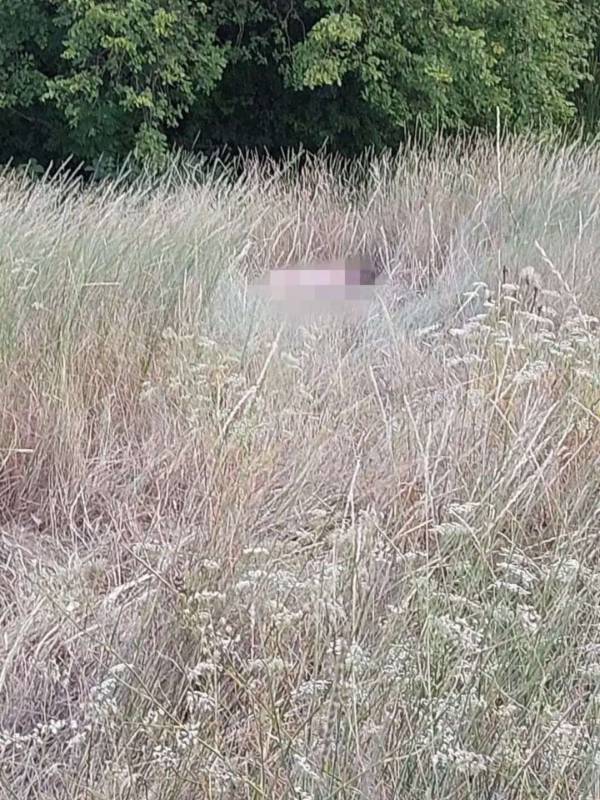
(248, 557)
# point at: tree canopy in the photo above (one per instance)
(92, 78)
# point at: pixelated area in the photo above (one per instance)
(344, 286)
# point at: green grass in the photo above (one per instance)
(245, 557)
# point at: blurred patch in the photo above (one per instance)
(341, 287)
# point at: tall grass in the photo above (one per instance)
(244, 557)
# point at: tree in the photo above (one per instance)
(29, 50)
(450, 64)
(108, 78)
(364, 72)
(119, 75)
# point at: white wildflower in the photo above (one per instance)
(187, 736)
(310, 689)
(305, 766)
(466, 509)
(270, 666)
(202, 668)
(530, 373)
(518, 569)
(198, 702)
(102, 702)
(397, 662)
(529, 618)
(398, 609)
(503, 614)
(300, 794)
(337, 647)
(459, 632)
(209, 596)
(255, 552)
(356, 659)
(513, 588)
(452, 532)
(165, 757)
(591, 661)
(567, 570)
(210, 565)
(77, 739)
(466, 360)
(463, 761)
(562, 744)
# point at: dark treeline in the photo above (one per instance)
(105, 79)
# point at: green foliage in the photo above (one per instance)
(113, 77)
(107, 79)
(131, 71)
(23, 29)
(329, 52)
(364, 72)
(29, 49)
(451, 63)
(588, 96)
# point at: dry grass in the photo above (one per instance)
(246, 559)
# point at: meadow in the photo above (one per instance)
(250, 557)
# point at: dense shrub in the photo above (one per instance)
(85, 78)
